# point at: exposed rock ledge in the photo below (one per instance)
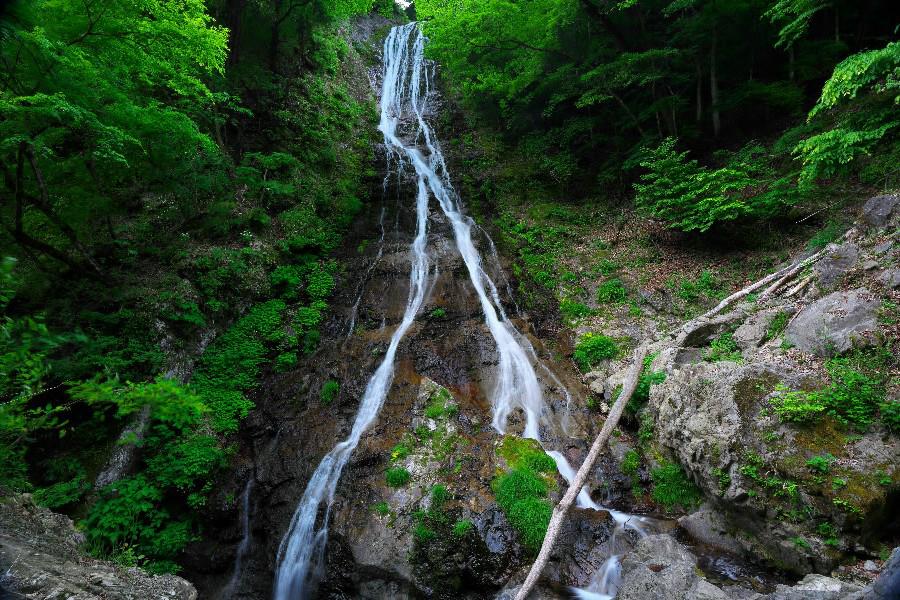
(40, 558)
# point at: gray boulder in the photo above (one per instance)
(816, 587)
(708, 526)
(40, 557)
(887, 586)
(836, 263)
(659, 567)
(836, 323)
(753, 331)
(881, 211)
(890, 278)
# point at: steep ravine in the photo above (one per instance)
(375, 546)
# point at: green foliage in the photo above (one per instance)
(612, 291)
(572, 309)
(671, 487)
(521, 494)
(830, 233)
(705, 285)
(821, 464)
(231, 365)
(631, 462)
(798, 407)
(777, 326)
(867, 80)
(400, 451)
(524, 453)
(463, 527)
(329, 391)
(438, 313)
(285, 361)
(62, 494)
(646, 380)
(441, 405)
(382, 508)
(690, 197)
(723, 348)
(890, 415)
(592, 348)
(397, 476)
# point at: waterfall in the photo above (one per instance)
(405, 92)
(605, 582)
(301, 554)
(244, 546)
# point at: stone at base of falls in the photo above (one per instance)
(40, 557)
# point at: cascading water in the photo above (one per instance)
(406, 87)
(302, 551)
(244, 546)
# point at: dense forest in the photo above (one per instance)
(177, 177)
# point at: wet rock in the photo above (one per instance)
(835, 323)
(881, 211)
(708, 526)
(887, 586)
(41, 557)
(815, 587)
(836, 263)
(659, 567)
(752, 332)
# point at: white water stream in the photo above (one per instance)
(404, 95)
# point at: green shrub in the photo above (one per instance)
(329, 391)
(521, 494)
(439, 497)
(631, 462)
(777, 326)
(382, 508)
(723, 348)
(691, 197)
(463, 527)
(438, 313)
(612, 291)
(821, 464)
(798, 407)
(890, 415)
(423, 533)
(704, 285)
(397, 476)
(671, 487)
(286, 361)
(592, 348)
(62, 494)
(400, 451)
(572, 309)
(441, 405)
(830, 233)
(525, 453)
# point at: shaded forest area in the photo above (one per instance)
(175, 175)
(707, 112)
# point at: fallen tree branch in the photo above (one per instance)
(561, 509)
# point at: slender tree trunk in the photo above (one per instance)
(699, 93)
(714, 85)
(561, 509)
(791, 74)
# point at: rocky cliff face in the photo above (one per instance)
(41, 557)
(766, 431)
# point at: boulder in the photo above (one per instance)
(41, 557)
(887, 585)
(815, 587)
(836, 263)
(890, 278)
(708, 526)
(660, 567)
(752, 332)
(881, 211)
(835, 323)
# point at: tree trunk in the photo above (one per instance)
(791, 74)
(714, 85)
(699, 115)
(561, 509)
